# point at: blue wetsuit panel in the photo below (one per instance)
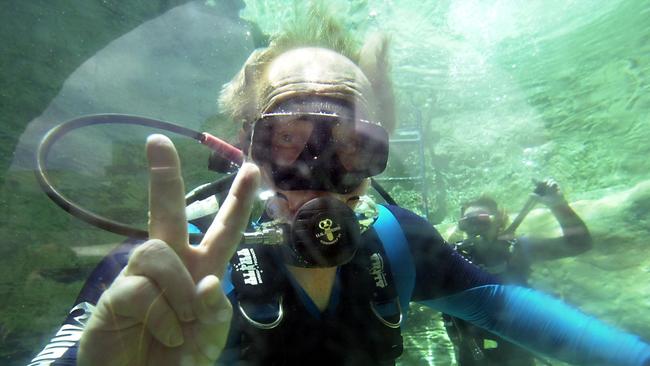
(398, 254)
(544, 324)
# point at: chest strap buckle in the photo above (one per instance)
(393, 325)
(265, 326)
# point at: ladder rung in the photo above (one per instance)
(393, 141)
(398, 179)
(407, 132)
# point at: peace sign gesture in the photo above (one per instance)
(167, 307)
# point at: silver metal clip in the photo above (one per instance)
(266, 326)
(386, 322)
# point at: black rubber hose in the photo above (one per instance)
(382, 192)
(68, 205)
(210, 189)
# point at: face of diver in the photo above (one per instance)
(314, 138)
(290, 166)
(479, 221)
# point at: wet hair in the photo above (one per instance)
(316, 26)
(491, 205)
(313, 25)
(310, 27)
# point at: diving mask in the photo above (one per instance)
(476, 223)
(325, 232)
(318, 145)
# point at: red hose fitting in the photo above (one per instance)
(223, 148)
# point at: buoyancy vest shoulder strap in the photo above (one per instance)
(394, 241)
(259, 285)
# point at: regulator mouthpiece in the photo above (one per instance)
(325, 233)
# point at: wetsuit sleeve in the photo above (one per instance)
(544, 325)
(62, 348)
(447, 282)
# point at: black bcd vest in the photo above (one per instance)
(277, 329)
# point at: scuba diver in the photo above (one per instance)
(315, 117)
(492, 245)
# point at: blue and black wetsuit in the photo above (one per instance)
(353, 329)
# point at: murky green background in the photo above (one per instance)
(504, 92)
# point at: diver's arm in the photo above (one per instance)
(449, 283)
(544, 325)
(531, 319)
(575, 239)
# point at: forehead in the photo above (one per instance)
(477, 209)
(310, 64)
(315, 72)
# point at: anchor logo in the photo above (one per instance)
(326, 225)
(329, 231)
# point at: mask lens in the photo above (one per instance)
(475, 223)
(288, 139)
(317, 151)
(346, 144)
(281, 139)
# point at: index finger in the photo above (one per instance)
(226, 230)
(167, 220)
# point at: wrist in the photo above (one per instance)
(556, 204)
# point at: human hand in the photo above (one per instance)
(548, 193)
(167, 306)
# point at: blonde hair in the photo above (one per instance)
(314, 27)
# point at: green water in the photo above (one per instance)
(504, 91)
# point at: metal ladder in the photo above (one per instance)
(405, 139)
